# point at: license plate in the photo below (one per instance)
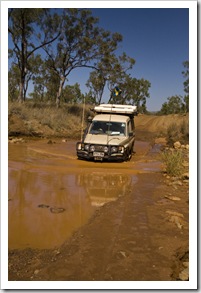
(98, 154)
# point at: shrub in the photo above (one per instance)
(177, 132)
(173, 160)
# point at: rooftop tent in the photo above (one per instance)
(116, 109)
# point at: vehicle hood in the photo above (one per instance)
(104, 139)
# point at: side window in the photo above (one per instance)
(131, 126)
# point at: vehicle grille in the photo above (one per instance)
(99, 148)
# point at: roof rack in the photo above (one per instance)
(116, 109)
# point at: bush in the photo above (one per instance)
(173, 160)
(177, 132)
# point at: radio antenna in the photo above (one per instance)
(82, 125)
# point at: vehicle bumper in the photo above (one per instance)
(89, 156)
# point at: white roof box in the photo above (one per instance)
(116, 109)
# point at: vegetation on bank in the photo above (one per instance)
(173, 161)
(44, 120)
(178, 132)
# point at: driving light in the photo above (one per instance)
(114, 149)
(105, 149)
(92, 148)
(86, 147)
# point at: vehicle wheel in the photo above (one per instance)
(132, 149)
(126, 156)
(130, 154)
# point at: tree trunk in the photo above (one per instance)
(21, 91)
(58, 98)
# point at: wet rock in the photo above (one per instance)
(177, 145)
(50, 142)
(178, 182)
(184, 275)
(43, 206)
(175, 198)
(57, 210)
(185, 176)
(16, 140)
(56, 252)
(174, 213)
(64, 140)
(122, 253)
(176, 220)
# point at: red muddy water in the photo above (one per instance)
(75, 220)
(51, 193)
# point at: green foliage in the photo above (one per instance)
(81, 44)
(111, 71)
(70, 38)
(13, 83)
(23, 27)
(186, 76)
(178, 104)
(72, 94)
(134, 91)
(174, 105)
(173, 161)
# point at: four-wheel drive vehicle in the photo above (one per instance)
(110, 135)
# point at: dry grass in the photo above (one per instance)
(173, 161)
(178, 132)
(47, 119)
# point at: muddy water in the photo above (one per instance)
(51, 193)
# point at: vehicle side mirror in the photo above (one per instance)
(89, 119)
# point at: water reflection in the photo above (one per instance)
(46, 207)
(102, 188)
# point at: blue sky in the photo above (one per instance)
(158, 40)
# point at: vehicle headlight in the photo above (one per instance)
(92, 148)
(105, 149)
(86, 147)
(121, 149)
(114, 149)
(79, 146)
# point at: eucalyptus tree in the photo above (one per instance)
(13, 83)
(71, 94)
(111, 71)
(39, 79)
(185, 74)
(173, 105)
(81, 44)
(30, 29)
(133, 91)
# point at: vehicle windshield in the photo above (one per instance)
(109, 128)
